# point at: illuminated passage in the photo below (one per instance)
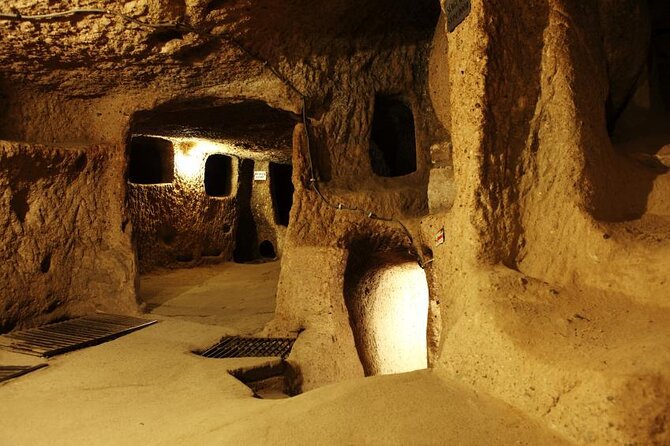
(387, 299)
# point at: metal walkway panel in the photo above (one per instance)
(73, 334)
(14, 371)
(238, 347)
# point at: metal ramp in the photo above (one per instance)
(8, 372)
(73, 334)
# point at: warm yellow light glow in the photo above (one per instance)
(189, 158)
(400, 319)
(390, 315)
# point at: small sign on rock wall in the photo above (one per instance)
(439, 237)
(457, 11)
(260, 175)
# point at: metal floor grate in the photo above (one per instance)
(14, 371)
(237, 347)
(73, 334)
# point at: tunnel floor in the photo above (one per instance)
(149, 388)
(237, 296)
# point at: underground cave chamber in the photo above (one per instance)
(461, 224)
(209, 183)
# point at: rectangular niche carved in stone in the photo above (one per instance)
(218, 175)
(151, 160)
(393, 140)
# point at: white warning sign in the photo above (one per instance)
(457, 11)
(260, 175)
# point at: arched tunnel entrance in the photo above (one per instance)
(386, 295)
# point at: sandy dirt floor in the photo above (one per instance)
(148, 388)
(240, 297)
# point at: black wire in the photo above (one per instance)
(314, 184)
(18, 16)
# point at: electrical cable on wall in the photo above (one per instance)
(17, 16)
(342, 207)
(179, 26)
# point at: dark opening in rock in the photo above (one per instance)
(185, 258)
(80, 163)
(267, 250)
(282, 191)
(393, 141)
(211, 252)
(164, 36)
(45, 265)
(151, 160)
(218, 174)
(167, 234)
(272, 380)
(19, 204)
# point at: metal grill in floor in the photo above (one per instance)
(73, 334)
(14, 371)
(238, 347)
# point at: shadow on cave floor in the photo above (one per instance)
(237, 296)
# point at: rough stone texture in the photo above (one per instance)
(65, 239)
(550, 291)
(263, 209)
(540, 225)
(178, 224)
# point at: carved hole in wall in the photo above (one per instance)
(282, 191)
(19, 204)
(166, 233)
(80, 163)
(267, 250)
(218, 175)
(386, 294)
(45, 264)
(185, 258)
(393, 139)
(211, 252)
(638, 113)
(151, 160)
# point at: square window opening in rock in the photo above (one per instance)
(393, 140)
(218, 175)
(151, 160)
